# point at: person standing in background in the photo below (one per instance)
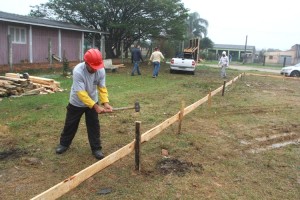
(224, 62)
(136, 57)
(155, 58)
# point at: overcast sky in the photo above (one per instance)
(267, 24)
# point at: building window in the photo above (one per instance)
(18, 34)
(270, 57)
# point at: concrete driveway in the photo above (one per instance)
(249, 68)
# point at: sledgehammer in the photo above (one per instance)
(136, 107)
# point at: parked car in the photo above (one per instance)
(291, 70)
(183, 62)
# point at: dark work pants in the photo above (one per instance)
(72, 122)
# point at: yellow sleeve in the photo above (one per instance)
(103, 94)
(85, 98)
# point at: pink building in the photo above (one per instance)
(26, 39)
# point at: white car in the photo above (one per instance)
(183, 63)
(291, 70)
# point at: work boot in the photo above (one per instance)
(98, 154)
(61, 149)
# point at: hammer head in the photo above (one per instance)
(137, 106)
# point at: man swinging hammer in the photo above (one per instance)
(87, 89)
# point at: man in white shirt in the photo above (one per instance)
(155, 58)
(224, 62)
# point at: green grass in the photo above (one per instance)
(210, 141)
(258, 65)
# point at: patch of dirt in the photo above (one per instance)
(180, 168)
(254, 109)
(12, 154)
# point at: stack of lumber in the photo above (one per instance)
(119, 65)
(13, 84)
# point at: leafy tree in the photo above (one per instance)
(261, 55)
(206, 43)
(125, 21)
(197, 27)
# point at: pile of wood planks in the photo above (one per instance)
(15, 85)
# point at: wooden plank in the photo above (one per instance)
(119, 65)
(18, 80)
(54, 85)
(51, 87)
(71, 182)
(35, 79)
(10, 87)
(12, 75)
(213, 93)
(193, 106)
(157, 129)
(42, 81)
(33, 92)
(5, 82)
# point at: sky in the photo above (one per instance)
(265, 24)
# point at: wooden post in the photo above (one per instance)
(122, 51)
(137, 145)
(50, 52)
(223, 90)
(209, 99)
(10, 53)
(81, 49)
(181, 116)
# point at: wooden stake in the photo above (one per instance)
(181, 116)
(223, 90)
(209, 99)
(10, 53)
(137, 145)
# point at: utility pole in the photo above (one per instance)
(245, 55)
(297, 52)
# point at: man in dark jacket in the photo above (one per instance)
(136, 57)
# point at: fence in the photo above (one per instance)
(73, 181)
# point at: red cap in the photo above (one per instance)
(93, 57)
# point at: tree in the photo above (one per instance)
(197, 27)
(206, 43)
(125, 21)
